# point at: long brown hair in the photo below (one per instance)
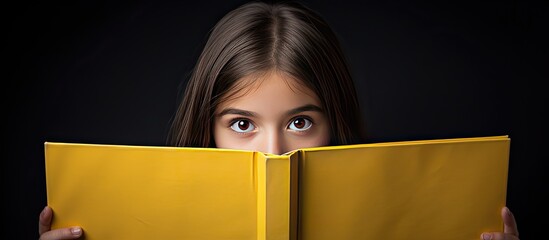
(257, 37)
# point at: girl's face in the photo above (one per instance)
(277, 116)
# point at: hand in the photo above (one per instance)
(44, 228)
(510, 230)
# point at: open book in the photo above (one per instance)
(425, 189)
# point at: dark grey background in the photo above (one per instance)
(111, 71)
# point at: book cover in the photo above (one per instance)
(420, 189)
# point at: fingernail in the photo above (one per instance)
(508, 211)
(486, 236)
(76, 231)
(43, 212)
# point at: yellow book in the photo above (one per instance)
(425, 189)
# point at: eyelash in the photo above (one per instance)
(237, 120)
(310, 123)
(232, 125)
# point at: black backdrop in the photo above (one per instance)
(111, 71)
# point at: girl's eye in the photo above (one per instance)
(242, 126)
(300, 124)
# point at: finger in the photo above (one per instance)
(509, 223)
(44, 220)
(498, 236)
(510, 230)
(62, 233)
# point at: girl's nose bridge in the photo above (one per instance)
(275, 142)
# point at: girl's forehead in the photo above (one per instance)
(253, 82)
(269, 90)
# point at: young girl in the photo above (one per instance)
(271, 78)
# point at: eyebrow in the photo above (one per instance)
(304, 108)
(308, 107)
(237, 112)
